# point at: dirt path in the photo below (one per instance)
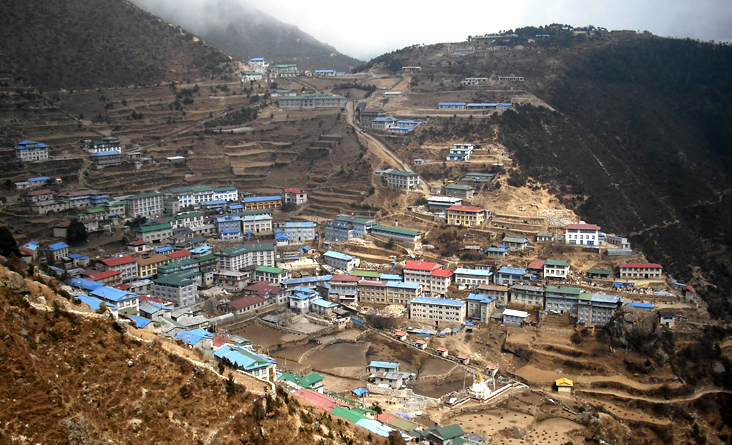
(383, 153)
(688, 398)
(540, 376)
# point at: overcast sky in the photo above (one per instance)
(367, 29)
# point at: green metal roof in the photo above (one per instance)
(556, 263)
(366, 273)
(599, 272)
(354, 219)
(397, 230)
(173, 279)
(458, 187)
(267, 269)
(185, 215)
(563, 290)
(153, 228)
(401, 173)
(348, 414)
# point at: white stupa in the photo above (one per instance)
(479, 389)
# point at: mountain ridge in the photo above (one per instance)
(244, 31)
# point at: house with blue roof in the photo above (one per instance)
(398, 292)
(257, 365)
(496, 252)
(637, 306)
(451, 105)
(31, 151)
(597, 309)
(106, 159)
(380, 366)
(383, 122)
(480, 307)
(302, 298)
(299, 232)
(84, 284)
(56, 251)
(154, 311)
(441, 311)
(197, 338)
(511, 275)
(128, 303)
(322, 307)
(472, 277)
(96, 303)
(141, 323)
(341, 261)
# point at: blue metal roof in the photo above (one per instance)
(481, 298)
(163, 249)
(324, 303)
(390, 277)
(387, 365)
(77, 256)
(479, 272)
(383, 119)
(497, 249)
(452, 103)
(400, 285)
(112, 294)
(375, 427)
(93, 303)
(39, 178)
(242, 358)
(140, 322)
(263, 198)
(338, 255)
(512, 270)
(57, 246)
(299, 225)
(307, 279)
(85, 284)
(640, 305)
(106, 153)
(194, 336)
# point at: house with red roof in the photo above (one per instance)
(469, 216)
(250, 304)
(642, 271)
(583, 235)
(110, 277)
(431, 276)
(294, 196)
(126, 265)
(179, 255)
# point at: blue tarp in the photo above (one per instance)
(356, 320)
(360, 391)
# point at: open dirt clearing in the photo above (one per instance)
(266, 336)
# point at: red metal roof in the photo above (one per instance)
(471, 209)
(582, 226)
(441, 273)
(137, 242)
(441, 349)
(243, 302)
(263, 287)
(102, 275)
(63, 224)
(293, 190)
(318, 399)
(154, 300)
(400, 333)
(122, 286)
(536, 264)
(640, 266)
(219, 341)
(119, 261)
(179, 254)
(422, 265)
(462, 356)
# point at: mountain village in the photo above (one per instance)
(404, 320)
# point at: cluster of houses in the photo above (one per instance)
(393, 125)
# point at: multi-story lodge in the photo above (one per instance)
(29, 151)
(400, 179)
(439, 310)
(317, 100)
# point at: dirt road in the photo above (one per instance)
(383, 153)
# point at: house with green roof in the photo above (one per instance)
(561, 299)
(154, 232)
(556, 269)
(459, 191)
(346, 227)
(274, 275)
(313, 381)
(400, 179)
(177, 287)
(397, 233)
